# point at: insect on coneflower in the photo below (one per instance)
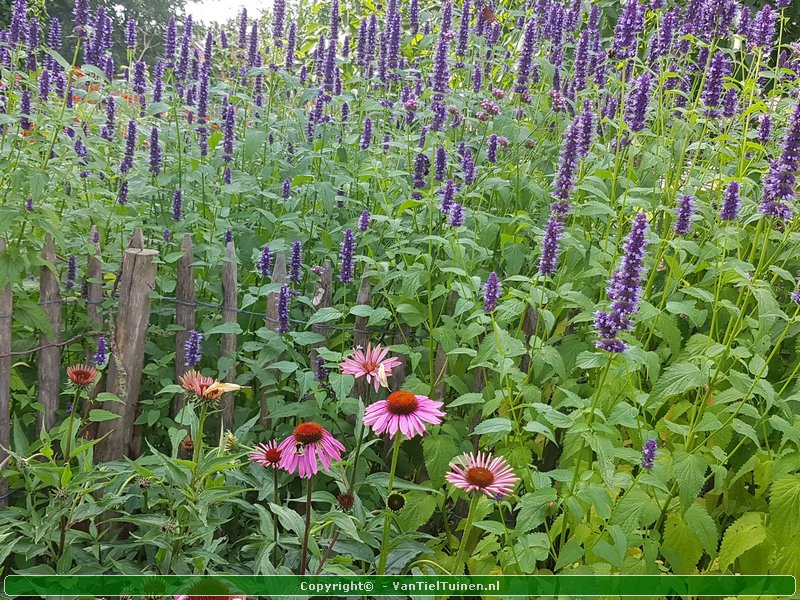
(309, 443)
(405, 412)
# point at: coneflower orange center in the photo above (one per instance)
(273, 455)
(401, 403)
(308, 433)
(480, 476)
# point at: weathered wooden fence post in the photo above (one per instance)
(94, 302)
(184, 311)
(398, 377)
(125, 371)
(361, 332)
(278, 276)
(528, 328)
(49, 369)
(6, 306)
(229, 315)
(323, 298)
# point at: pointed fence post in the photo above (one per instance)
(184, 312)
(229, 315)
(125, 371)
(323, 298)
(6, 306)
(278, 276)
(49, 369)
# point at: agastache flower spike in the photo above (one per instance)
(448, 193)
(649, 452)
(177, 205)
(457, 215)
(264, 260)
(730, 205)
(296, 262)
(193, 348)
(229, 132)
(130, 34)
(550, 245)
(712, 91)
(155, 152)
(366, 136)
(72, 271)
(636, 106)
(101, 354)
(278, 16)
(130, 148)
(346, 257)
(491, 293)
(364, 221)
(683, 214)
(284, 297)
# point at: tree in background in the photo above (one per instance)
(151, 16)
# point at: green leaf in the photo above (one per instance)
(636, 510)
(323, 315)
(784, 523)
(747, 532)
(703, 526)
(468, 398)
(613, 553)
(496, 425)
(225, 328)
(439, 450)
(681, 547)
(533, 508)
(675, 380)
(690, 471)
(288, 518)
(416, 511)
(97, 415)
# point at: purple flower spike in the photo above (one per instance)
(264, 261)
(366, 136)
(193, 348)
(346, 257)
(364, 221)
(155, 152)
(72, 271)
(131, 34)
(636, 106)
(491, 293)
(101, 354)
(177, 205)
(683, 215)
(649, 453)
(730, 205)
(550, 245)
(296, 262)
(457, 215)
(284, 297)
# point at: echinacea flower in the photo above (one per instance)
(405, 412)
(309, 441)
(81, 375)
(371, 364)
(204, 387)
(267, 455)
(482, 473)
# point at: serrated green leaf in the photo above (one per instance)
(746, 532)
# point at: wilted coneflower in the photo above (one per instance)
(267, 455)
(364, 221)
(193, 348)
(346, 257)
(683, 215)
(308, 443)
(101, 353)
(284, 297)
(482, 473)
(72, 271)
(264, 260)
(730, 204)
(457, 215)
(404, 412)
(637, 102)
(204, 388)
(491, 292)
(550, 245)
(81, 375)
(366, 135)
(649, 452)
(624, 289)
(296, 262)
(177, 205)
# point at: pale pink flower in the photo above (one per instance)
(405, 412)
(267, 455)
(371, 364)
(309, 441)
(482, 473)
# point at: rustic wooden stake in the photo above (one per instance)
(94, 301)
(125, 371)
(229, 315)
(6, 305)
(278, 276)
(323, 298)
(49, 370)
(528, 328)
(184, 312)
(361, 333)
(398, 377)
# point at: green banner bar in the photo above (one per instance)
(400, 585)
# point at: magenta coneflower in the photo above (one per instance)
(370, 363)
(309, 441)
(405, 412)
(267, 455)
(482, 473)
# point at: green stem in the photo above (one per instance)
(458, 569)
(387, 517)
(275, 516)
(304, 559)
(359, 443)
(198, 442)
(70, 422)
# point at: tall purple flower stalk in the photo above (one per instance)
(72, 271)
(491, 148)
(122, 195)
(193, 348)
(624, 289)
(491, 293)
(683, 215)
(130, 148)
(177, 205)
(347, 257)
(131, 34)
(366, 135)
(448, 194)
(290, 45)
(170, 40)
(284, 297)
(296, 262)
(100, 357)
(441, 72)
(278, 18)
(457, 215)
(229, 132)
(567, 167)
(550, 245)
(155, 152)
(730, 204)
(364, 221)
(264, 261)
(637, 102)
(712, 92)
(649, 452)
(440, 164)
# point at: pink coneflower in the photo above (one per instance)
(373, 364)
(204, 387)
(482, 473)
(309, 441)
(81, 375)
(403, 411)
(267, 455)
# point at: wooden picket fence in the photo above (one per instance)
(126, 332)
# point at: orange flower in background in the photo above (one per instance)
(81, 375)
